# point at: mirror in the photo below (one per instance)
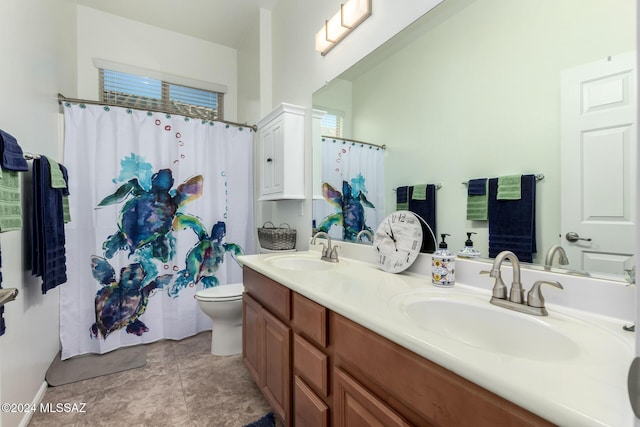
(472, 89)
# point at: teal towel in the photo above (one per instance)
(509, 187)
(419, 192)
(10, 204)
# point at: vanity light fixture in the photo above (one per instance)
(351, 14)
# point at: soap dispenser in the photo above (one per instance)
(443, 268)
(469, 251)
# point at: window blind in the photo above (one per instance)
(129, 90)
(331, 125)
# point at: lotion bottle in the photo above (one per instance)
(469, 251)
(443, 266)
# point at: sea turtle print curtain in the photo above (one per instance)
(352, 189)
(160, 206)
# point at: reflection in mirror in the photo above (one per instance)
(352, 187)
(473, 89)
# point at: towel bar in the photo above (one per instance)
(7, 295)
(539, 177)
(438, 186)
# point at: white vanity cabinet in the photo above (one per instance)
(281, 153)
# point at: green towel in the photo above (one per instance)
(10, 204)
(66, 212)
(478, 206)
(402, 200)
(509, 187)
(404, 206)
(419, 192)
(57, 179)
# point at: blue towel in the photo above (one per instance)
(48, 256)
(477, 187)
(426, 209)
(12, 156)
(512, 223)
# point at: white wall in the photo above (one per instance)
(37, 41)
(249, 81)
(110, 37)
(455, 105)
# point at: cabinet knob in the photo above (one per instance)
(269, 160)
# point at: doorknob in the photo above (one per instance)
(573, 237)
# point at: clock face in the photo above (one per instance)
(398, 240)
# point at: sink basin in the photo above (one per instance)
(474, 322)
(301, 263)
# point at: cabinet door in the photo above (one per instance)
(251, 332)
(309, 409)
(355, 406)
(276, 368)
(271, 141)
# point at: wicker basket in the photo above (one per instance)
(277, 238)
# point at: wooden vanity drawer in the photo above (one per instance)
(309, 409)
(311, 364)
(310, 318)
(269, 293)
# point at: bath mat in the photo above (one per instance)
(266, 421)
(80, 368)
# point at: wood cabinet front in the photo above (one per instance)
(276, 372)
(266, 340)
(309, 410)
(356, 406)
(422, 391)
(318, 368)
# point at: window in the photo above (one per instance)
(331, 125)
(130, 90)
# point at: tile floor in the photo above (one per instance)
(182, 384)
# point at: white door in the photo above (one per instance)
(598, 148)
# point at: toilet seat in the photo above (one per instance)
(230, 292)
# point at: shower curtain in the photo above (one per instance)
(352, 189)
(160, 207)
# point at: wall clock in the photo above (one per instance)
(398, 240)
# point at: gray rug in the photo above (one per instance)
(95, 365)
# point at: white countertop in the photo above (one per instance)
(589, 390)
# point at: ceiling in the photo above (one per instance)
(225, 22)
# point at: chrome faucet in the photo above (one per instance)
(500, 289)
(535, 301)
(562, 257)
(329, 253)
(365, 233)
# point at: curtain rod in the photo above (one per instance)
(62, 98)
(335, 138)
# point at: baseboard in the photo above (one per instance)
(36, 403)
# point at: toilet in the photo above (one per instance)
(223, 304)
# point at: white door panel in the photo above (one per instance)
(599, 132)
